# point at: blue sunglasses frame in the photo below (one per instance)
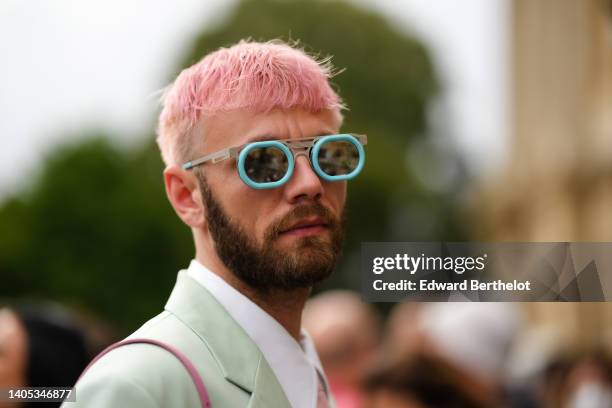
(292, 148)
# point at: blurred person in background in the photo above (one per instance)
(403, 334)
(577, 381)
(589, 382)
(40, 347)
(475, 338)
(420, 380)
(256, 168)
(346, 334)
(549, 383)
(13, 353)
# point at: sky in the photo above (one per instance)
(70, 65)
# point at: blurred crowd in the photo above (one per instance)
(423, 355)
(450, 355)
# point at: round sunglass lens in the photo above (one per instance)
(266, 164)
(338, 158)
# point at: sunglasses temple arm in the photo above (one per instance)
(214, 157)
(363, 139)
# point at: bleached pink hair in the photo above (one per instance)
(252, 75)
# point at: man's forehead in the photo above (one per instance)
(237, 127)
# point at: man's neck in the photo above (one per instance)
(285, 306)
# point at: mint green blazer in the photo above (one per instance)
(231, 365)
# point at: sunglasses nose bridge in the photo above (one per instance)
(298, 151)
(301, 151)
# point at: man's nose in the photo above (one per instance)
(304, 184)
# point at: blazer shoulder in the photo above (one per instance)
(114, 391)
(153, 374)
(168, 328)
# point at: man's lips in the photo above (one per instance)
(306, 227)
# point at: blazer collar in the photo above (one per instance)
(239, 358)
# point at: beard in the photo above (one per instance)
(263, 266)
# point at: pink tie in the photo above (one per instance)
(321, 396)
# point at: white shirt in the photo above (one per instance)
(296, 365)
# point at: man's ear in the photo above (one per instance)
(183, 194)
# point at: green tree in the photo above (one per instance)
(94, 229)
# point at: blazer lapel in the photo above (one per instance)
(241, 361)
(268, 391)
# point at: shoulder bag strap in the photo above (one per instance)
(193, 372)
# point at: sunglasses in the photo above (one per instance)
(269, 164)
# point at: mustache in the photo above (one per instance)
(300, 212)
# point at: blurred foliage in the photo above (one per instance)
(96, 229)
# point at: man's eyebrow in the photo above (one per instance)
(261, 138)
(267, 137)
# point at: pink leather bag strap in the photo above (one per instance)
(193, 372)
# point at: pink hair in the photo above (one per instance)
(258, 76)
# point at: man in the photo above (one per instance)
(256, 168)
